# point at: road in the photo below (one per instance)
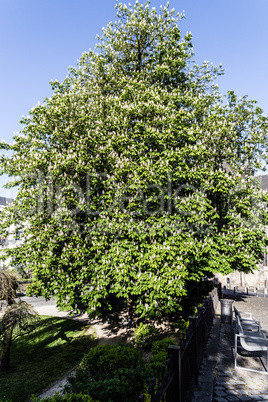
(37, 302)
(41, 305)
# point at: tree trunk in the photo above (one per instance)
(5, 352)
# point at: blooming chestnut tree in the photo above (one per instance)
(136, 176)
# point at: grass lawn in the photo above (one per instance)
(44, 356)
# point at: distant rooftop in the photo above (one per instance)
(4, 201)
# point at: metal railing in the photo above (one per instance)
(180, 373)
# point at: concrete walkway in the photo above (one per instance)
(218, 380)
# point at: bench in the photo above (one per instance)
(248, 323)
(251, 341)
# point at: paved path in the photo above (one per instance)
(218, 380)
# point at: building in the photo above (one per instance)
(10, 241)
(4, 202)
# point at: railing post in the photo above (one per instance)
(203, 323)
(152, 389)
(219, 291)
(193, 321)
(175, 390)
(210, 310)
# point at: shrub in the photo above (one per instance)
(162, 345)
(145, 335)
(106, 359)
(159, 356)
(110, 373)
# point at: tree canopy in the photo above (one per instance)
(136, 175)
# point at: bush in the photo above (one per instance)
(104, 360)
(110, 373)
(162, 345)
(159, 356)
(145, 335)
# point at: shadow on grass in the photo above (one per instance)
(44, 356)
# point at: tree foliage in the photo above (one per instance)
(136, 175)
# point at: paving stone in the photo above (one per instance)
(245, 398)
(219, 388)
(230, 391)
(219, 400)
(237, 392)
(242, 391)
(222, 379)
(253, 393)
(236, 382)
(220, 393)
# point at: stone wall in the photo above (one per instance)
(259, 278)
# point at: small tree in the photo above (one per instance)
(8, 286)
(18, 319)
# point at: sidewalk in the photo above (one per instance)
(218, 380)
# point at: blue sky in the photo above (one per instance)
(41, 39)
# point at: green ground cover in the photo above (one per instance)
(44, 356)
